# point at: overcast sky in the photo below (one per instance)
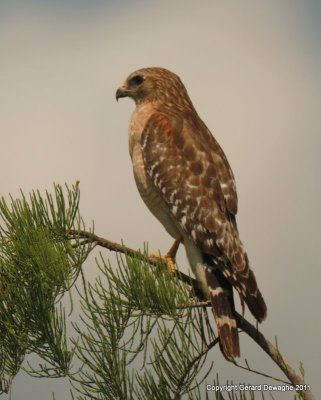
(252, 69)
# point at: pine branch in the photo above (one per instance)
(243, 324)
(120, 248)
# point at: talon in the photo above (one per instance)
(169, 258)
(171, 264)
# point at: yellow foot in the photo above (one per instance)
(171, 264)
(169, 258)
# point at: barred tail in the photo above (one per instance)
(250, 293)
(221, 296)
(244, 282)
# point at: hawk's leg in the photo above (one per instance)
(170, 256)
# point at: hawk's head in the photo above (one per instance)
(153, 84)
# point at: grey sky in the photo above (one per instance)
(252, 70)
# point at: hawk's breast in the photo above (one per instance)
(149, 193)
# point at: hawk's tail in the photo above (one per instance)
(249, 292)
(243, 280)
(221, 296)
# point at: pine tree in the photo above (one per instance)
(143, 333)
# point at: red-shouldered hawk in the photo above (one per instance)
(184, 178)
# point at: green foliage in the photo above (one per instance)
(141, 334)
(38, 264)
(165, 335)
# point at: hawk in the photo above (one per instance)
(185, 180)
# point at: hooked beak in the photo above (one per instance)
(121, 92)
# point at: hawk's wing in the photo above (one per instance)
(193, 176)
(191, 173)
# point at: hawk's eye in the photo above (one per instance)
(136, 81)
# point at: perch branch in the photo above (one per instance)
(119, 248)
(243, 324)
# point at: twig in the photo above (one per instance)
(178, 391)
(243, 324)
(247, 368)
(275, 354)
